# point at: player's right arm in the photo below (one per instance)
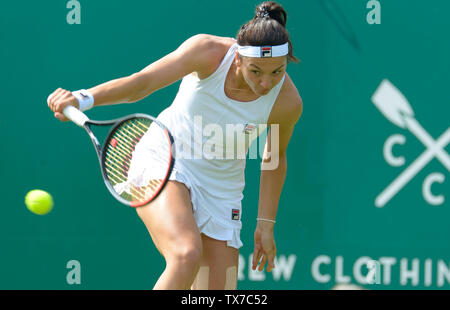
(193, 55)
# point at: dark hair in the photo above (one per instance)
(268, 27)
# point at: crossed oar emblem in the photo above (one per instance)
(396, 108)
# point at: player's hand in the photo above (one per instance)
(60, 99)
(265, 248)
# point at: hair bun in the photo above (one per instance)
(262, 14)
(273, 10)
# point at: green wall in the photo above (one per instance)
(327, 212)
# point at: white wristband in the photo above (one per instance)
(85, 99)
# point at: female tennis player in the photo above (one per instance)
(195, 222)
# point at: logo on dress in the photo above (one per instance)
(249, 128)
(235, 214)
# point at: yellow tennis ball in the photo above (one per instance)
(39, 202)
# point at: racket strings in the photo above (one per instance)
(118, 158)
(115, 172)
(120, 153)
(143, 192)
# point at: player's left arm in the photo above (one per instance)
(285, 114)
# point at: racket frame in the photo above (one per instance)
(101, 153)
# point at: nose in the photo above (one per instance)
(266, 84)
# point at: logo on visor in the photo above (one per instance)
(266, 51)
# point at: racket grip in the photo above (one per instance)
(75, 115)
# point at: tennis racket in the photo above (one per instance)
(118, 158)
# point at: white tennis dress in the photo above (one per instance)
(209, 130)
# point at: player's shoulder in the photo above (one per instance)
(212, 43)
(289, 105)
(209, 50)
(207, 45)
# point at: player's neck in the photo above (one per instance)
(237, 80)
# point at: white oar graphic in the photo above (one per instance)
(396, 108)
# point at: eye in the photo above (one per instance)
(255, 72)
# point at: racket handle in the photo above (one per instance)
(75, 115)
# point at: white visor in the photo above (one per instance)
(264, 51)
